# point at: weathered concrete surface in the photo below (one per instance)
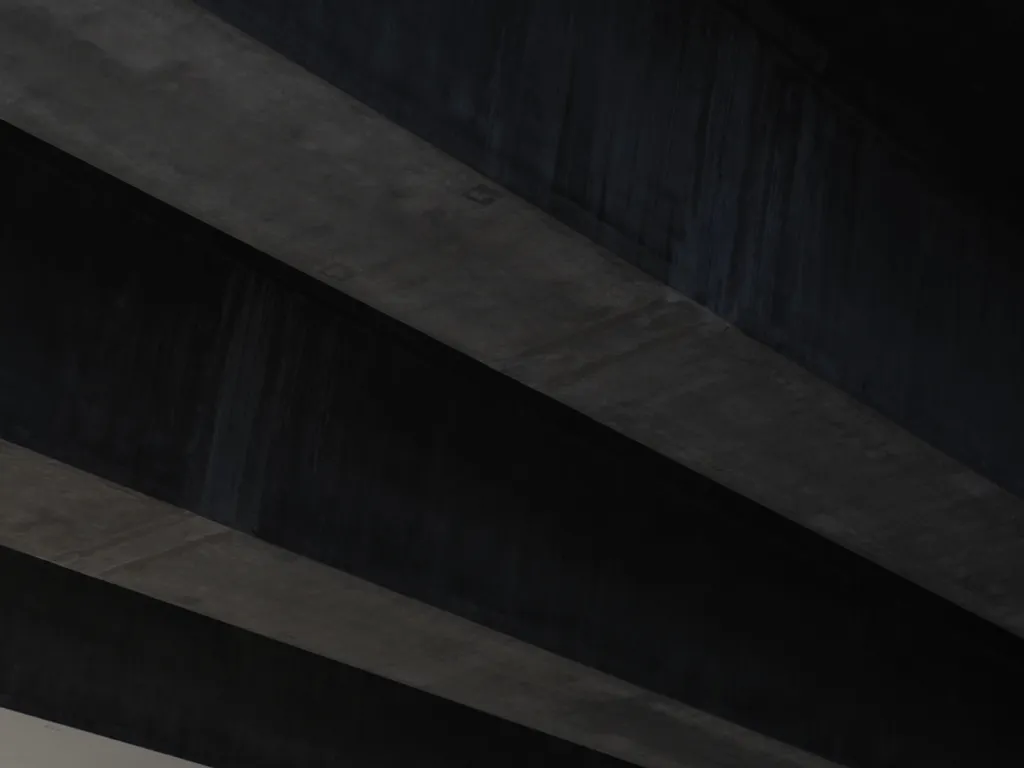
(244, 390)
(672, 133)
(99, 658)
(186, 108)
(52, 511)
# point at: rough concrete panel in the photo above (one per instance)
(339, 434)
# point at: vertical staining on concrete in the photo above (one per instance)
(707, 155)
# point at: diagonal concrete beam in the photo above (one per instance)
(191, 111)
(256, 396)
(55, 512)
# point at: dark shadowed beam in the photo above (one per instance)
(96, 528)
(93, 656)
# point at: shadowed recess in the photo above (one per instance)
(690, 144)
(96, 657)
(143, 346)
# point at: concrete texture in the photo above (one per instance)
(256, 396)
(28, 742)
(186, 108)
(103, 659)
(52, 511)
(671, 132)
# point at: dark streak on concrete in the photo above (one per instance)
(678, 137)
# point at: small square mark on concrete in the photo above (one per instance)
(483, 194)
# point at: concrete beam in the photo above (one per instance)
(256, 396)
(173, 101)
(706, 157)
(101, 530)
(95, 657)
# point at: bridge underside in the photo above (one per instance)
(558, 527)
